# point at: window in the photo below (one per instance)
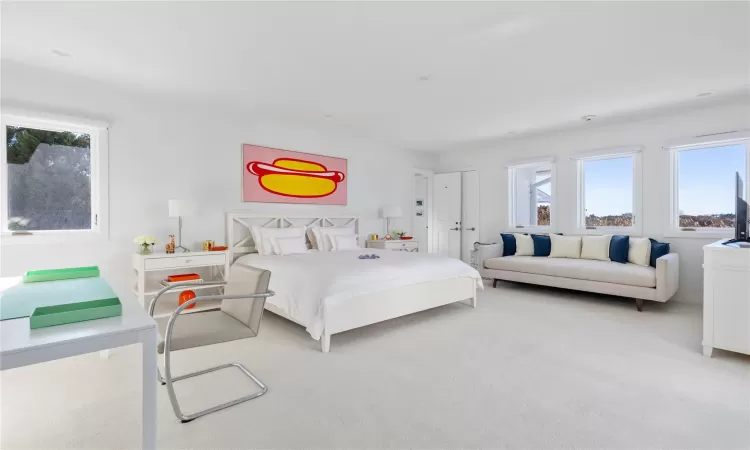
(52, 176)
(608, 192)
(531, 195)
(703, 186)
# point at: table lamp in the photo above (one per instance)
(180, 209)
(388, 213)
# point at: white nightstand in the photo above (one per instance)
(151, 269)
(395, 244)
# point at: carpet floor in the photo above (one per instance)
(530, 367)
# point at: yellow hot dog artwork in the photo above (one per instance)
(296, 177)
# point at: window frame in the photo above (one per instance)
(623, 152)
(551, 228)
(98, 132)
(673, 213)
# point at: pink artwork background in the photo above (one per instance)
(253, 192)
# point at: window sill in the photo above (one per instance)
(52, 238)
(530, 230)
(699, 234)
(622, 231)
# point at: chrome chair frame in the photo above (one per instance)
(168, 380)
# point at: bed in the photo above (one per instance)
(332, 292)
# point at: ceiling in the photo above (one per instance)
(418, 75)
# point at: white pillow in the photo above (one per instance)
(639, 251)
(266, 234)
(595, 247)
(289, 245)
(524, 245)
(312, 236)
(565, 246)
(343, 242)
(324, 243)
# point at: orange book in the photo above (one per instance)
(183, 277)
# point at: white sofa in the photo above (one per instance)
(605, 277)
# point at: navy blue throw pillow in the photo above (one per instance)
(542, 244)
(658, 249)
(618, 249)
(509, 244)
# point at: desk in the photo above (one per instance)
(21, 346)
(726, 298)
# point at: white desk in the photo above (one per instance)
(726, 298)
(21, 346)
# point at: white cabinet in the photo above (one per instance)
(151, 269)
(726, 298)
(395, 244)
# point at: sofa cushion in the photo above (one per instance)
(509, 244)
(524, 245)
(565, 246)
(581, 269)
(595, 247)
(618, 248)
(658, 249)
(639, 251)
(542, 244)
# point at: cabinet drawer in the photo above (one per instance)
(395, 245)
(185, 261)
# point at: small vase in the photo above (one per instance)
(145, 249)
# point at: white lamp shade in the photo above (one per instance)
(392, 211)
(181, 208)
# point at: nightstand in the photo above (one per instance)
(395, 244)
(151, 269)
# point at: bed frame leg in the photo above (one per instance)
(325, 342)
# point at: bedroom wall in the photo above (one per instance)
(651, 132)
(161, 149)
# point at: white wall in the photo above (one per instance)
(651, 132)
(420, 223)
(162, 149)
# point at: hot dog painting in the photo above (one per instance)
(273, 175)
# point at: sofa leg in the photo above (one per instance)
(639, 304)
(494, 282)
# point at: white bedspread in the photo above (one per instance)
(303, 283)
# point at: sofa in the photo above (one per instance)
(639, 282)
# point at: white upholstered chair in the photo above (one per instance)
(242, 305)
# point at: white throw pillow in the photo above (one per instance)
(524, 245)
(324, 243)
(343, 242)
(595, 247)
(289, 245)
(266, 234)
(565, 246)
(639, 251)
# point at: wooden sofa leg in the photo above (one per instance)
(639, 304)
(494, 282)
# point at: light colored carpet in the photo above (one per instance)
(529, 368)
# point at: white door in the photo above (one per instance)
(447, 229)
(469, 213)
(421, 226)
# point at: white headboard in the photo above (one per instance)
(240, 240)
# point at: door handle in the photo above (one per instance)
(454, 229)
(470, 229)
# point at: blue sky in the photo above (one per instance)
(706, 182)
(707, 179)
(609, 186)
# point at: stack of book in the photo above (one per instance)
(182, 278)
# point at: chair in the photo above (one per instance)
(241, 311)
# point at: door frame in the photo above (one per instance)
(430, 187)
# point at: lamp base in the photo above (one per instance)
(180, 247)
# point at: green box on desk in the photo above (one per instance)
(47, 316)
(36, 276)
